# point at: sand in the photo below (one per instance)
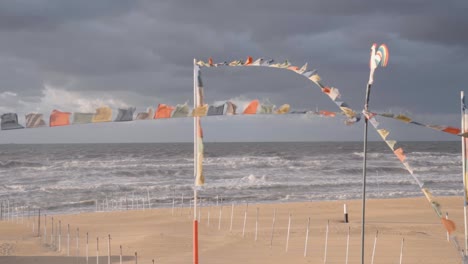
(166, 236)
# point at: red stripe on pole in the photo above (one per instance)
(195, 242)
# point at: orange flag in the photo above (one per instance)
(449, 225)
(58, 118)
(164, 111)
(400, 154)
(452, 130)
(327, 113)
(251, 108)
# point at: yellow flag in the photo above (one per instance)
(200, 111)
(383, 133)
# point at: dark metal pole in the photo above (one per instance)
(364, 166)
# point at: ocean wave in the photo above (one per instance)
(19, 164)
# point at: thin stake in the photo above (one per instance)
(256, 225)
(289, 230)
(60, 236)
(245, 220)
(87, 248)
(109, 250)
(77, 242)
(347, 245)
(232, 216)
(219, 218)
(306, 238)
(448, 235)
(209, 210)
(120, 254)
(401, 250)
(326, 243)
(375, 245)
(97, 250)
(68, 240)
(273, 228)
(136, 258)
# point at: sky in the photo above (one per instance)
(78, 55)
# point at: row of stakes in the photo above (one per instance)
(18, 213)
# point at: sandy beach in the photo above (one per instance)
(166, 235)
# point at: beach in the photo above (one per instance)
(165, 234)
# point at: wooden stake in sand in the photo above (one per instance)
(136, 258)
(60, 237)
(448, 235)
(347, 245)
(39, 222)
(232, 216)
(256, 225)
(52, 233)
(375, 245)
(45, 229)
(120, 254)
(97, 250)
(326, 243)
(245, 220)
(68, 240)
(219, 218)
(401, 250)
(149, 199)
(87, 248)
(273, 228)
(109, 250)
(209, 210)
(345, 209)
(306, 238)
(287, 235)
(77, 242)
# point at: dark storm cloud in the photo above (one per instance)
(142, 51)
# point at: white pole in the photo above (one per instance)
(448, 235)
(87, 248)
(120, 254)
(45, 229)
(173, 204)
(326, 243)
(182, 204)
(307, 237)
(219, 217)
(149, 200)
(401, 250)
(256, 225)
(97, 250)
(375, 244)
(273, 228)
(245, 220)
(209, 210)
(199, 209)
(347, 245)
(289, 230)
(60, 236)
(109, 250)
(463, 127)
(232, 216)
(68, 240)
(196, 103)
(77, 242)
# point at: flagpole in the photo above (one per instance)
(195, 164)
(364, 170)
(462, 95)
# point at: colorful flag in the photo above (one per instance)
(163, 111)
(103, 114)
(10, 121)
(58, 118)
(251, 109)
(125, 114)
(34, 120)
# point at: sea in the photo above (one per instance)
(72, 178)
